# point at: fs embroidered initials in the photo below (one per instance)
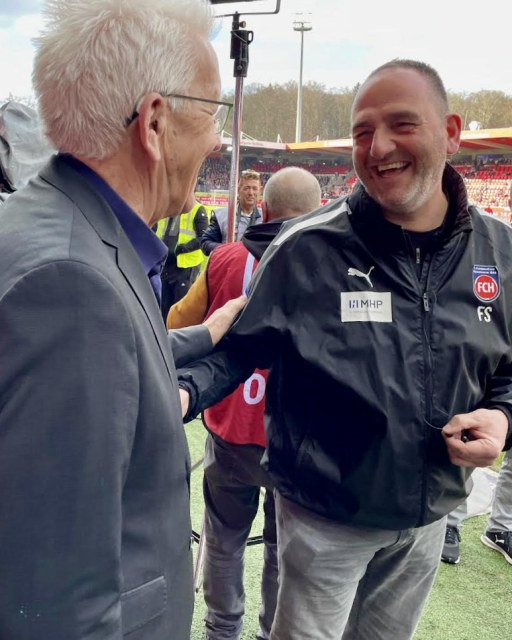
(484, 314)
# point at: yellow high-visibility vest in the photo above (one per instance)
(161, 226)
(187, 233)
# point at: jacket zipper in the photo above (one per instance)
(427, 359)
(425, 339)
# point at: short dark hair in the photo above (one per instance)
(421, 67)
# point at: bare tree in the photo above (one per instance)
(271, 110)
(28, 101)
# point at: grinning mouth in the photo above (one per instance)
(392, 167)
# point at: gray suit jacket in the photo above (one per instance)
(94, 466)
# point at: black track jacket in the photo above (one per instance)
(366, 358)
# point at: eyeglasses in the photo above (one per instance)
(220, 117)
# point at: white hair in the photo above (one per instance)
(96, 59)
(292, 191)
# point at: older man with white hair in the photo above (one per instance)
(94, 467)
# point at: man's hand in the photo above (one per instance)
(487, 430)
(220, 321)
(185, 400)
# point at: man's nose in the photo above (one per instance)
(382, 144)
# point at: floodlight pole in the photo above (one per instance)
(302, 26)
(240, 41)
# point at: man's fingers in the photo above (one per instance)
(457, 424)
(221, 320)
(475, 453)
(232, 308)
(236, 305)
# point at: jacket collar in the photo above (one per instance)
(258, 237)
(255, 213)
(369, 222)
(95, 209)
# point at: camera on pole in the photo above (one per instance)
(240, 41)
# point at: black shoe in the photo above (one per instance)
(450, 553)
(499, 541)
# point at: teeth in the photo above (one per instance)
(391, 165)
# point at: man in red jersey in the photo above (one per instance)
(233, 476)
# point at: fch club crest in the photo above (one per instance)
(486, 282)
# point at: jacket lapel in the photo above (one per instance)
(101, 217)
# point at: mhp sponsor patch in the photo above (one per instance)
(486, 283)
(366, 306)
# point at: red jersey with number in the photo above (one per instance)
(238, 418)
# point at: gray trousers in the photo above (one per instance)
(501, 514)
(232, 481)
(355, 583)
(458, 515)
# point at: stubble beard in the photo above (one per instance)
(405, 205)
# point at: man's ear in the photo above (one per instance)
(264, 212)
(151, 125)
(453, 130)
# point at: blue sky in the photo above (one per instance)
(348, 40)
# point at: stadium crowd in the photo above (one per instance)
(487, 179)
(214, 174)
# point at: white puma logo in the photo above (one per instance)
(360, 274)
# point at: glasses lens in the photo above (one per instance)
(221, 117)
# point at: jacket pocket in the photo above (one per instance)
(142, 604)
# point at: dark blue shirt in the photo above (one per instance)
(151, 250)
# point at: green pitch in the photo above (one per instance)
(470, 601)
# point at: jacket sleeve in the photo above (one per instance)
(192, 308)
(200, 226)
(189, 344)
(253, 342)
(69, 388)
(212, 237)
(499, 394)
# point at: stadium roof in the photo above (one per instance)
(487, 140)
(484, 141)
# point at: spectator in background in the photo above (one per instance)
(247, 213)
(233, 476)
(184, 258)
(167, 230)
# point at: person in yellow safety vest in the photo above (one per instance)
(184, 258)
